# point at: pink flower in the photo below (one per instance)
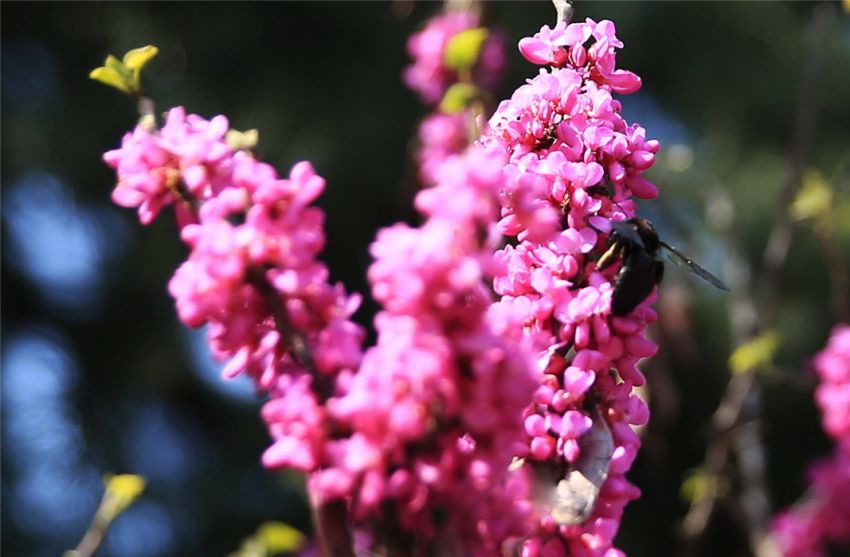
(832, 366)
(546, 46)
(147, 177)
(822, 517)
(573, 165)
(443, 135)
(440, 137)
(437, 403)
(565, 45)
(188, 159)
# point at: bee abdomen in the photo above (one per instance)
(635, 281)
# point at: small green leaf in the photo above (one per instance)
(242, 141)
(699, 484)
(814, 200)
(463, 49)
(695, 487)
(278, 537)
(110, 76)
(458, 97)
(271, 538)
(137, 58)
(123, 489)
(125, 75)
(116, 64)
(756, 353)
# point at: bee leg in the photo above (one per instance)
(611, 254)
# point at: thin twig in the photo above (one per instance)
(839, 282)
(292, 338)
(330, 520)
(462, 6)
(92, 538)
(804, 126)
(564, 9)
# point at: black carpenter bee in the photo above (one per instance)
(636, 242)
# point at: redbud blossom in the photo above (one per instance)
(423, 426)
(437, 402)
(251, 275)
(573, 165)
(822, 519)
(188, 158)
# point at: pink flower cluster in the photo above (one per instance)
(436, 404)
(424, 423)
(429, 76)
(823, 517)
(188, 158)
(442, 135)
(832, 366)
(251, 276)
(567, 45)
(418, 432)
(573, 165)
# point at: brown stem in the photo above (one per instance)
(147, 112)
(804, 127)
(462, 6)
(739, 406)
(564, 9)
(330, 519)
(292, 338)
(699, 514)
(840, 285)
(92, 538)
(146, 107)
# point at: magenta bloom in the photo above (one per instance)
(573, 165)
(426, 426)
(436, 405)
(823, 516)
(188, 159)
(566, 45)
(443, 135)
(440, 137)
(832, 366)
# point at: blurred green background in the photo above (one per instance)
(98, 375)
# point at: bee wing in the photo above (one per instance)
(577, 493)
(695, 267)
